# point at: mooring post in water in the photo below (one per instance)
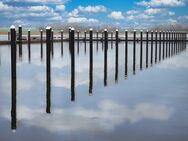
(147, 49)
(90, 60)
(151, 47)
(134, 51)
(48, 68)
(159, 45)
(20, 40)
(105, 56)
(156, 46)
(126, 53)
(116, 56)
(141, 46)
(163, 44)
(172, 43)
(52, 43)
(61, 42)
(41, 44)
(72, 65)
(78, 40)
(69, 33)
(102, 39)
(29, 45)
(13, 77)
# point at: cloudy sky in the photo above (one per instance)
(137, 13)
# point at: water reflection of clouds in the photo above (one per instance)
(105, 117)
(177, 62)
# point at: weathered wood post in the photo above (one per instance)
(134, 51)
(41, 44)
(90, 60)
(29, 45)
(72, 39)
(13, 77)
(126, 53)
(156, 46)
(151, 47)
(61, 42)
(8, 36)
(20, 40)
(147, 49)
(105, 56)
(48, 68)
(116, 56)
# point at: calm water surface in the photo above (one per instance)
(148, 105)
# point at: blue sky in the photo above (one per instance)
(138, 13)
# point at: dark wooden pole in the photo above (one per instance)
(147, 49)
(91, 60)
(159, 45)
(72, 65)
(126, 53)
(163, 44)
(105, 56)
(20, 40)
(134, 51)
(156, 46)
(48, 68)
(61, 42)
(151, 47)
(41, 44)
(116, 56)
(29, 45)
(141, 48)
(13, 78)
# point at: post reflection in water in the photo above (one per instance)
(166, 44)
(61, 42)
(156, 46)
(78, 42)
(147, 49)
(72, 64)
(159, 45)
(91, 61)
(141, 46)
(29, 46)
(151, 47)
(163, 44)
(126, 53)
(116, 57)
(48, 69)
(134, 51)
(13, 78)
(41, 44)
(105, 56)
(20, 40)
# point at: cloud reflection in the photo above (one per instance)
(105, 117)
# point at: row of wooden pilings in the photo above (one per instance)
(176, 43)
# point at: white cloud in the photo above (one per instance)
(94, 9)
(116, 15)
(171, 13)
(87, 9)
(81, 20)
(163, 3)
(4, 7)
(131, 12)
(60, 7)
(153, 11)
(39, 8)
